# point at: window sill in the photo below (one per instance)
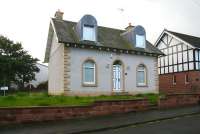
(142, 85)
(89, 85)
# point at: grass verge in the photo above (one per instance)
(43, 99)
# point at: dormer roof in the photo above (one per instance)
(107, 38)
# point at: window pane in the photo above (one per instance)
(162, 70)
(196, 55)
(170, 69)
(191, 66)
(140, 41)
(180, 67)
(185, 66)
(89, 75)
(141, 77)
(199, 55)
(89, 72)
(89, 64)
(179, 57)
(185, 56)
(197, 65)
(166, 61)
(166, 69)
(190, 52)
(88, 33)
(175, 58)
(175, 68)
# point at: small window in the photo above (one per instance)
(191, 66)
(141, 75)
(89, 33)
(174, 79)
(89, 73)
(190, 52)
(140, 41)
(186, 79)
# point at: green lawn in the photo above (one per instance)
(43, 99)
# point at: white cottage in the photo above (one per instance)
(87, 59)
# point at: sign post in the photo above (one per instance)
(4, 90)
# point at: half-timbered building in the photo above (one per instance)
(179, 68)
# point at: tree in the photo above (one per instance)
(16, 65)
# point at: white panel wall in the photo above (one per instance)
(104, 74)
(56, 67)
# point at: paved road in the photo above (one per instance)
(183, 125)
(189, 125)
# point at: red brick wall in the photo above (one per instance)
(178, 100)
(166, 83)
(99, 108)
(22, 115)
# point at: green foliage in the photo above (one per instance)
(16, 65)
(43, 99)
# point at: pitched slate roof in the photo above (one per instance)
(107, 37)
(192, 40)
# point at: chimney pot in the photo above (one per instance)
(59, 14)
(129, 26)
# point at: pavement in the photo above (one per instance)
(181, 125)
(100, 124)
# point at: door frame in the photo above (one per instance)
(122, 81)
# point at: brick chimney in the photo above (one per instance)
(59, 15)
(129, 27)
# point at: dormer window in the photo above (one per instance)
(89, 33)
(87, 28)
(140, 41)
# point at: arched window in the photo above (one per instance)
(89, 72)
(141, 75)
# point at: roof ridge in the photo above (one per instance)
(98, 25)
(182, 33)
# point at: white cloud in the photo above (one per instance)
(27, 21)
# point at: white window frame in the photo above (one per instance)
(145, 75)
(94, 68)
(91, 29)
(140, 41)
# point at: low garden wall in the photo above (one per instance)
(99, 108)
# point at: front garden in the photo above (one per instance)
(25, 99)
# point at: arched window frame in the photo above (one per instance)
(87, 83)
(145, 75)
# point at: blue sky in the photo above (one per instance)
(27, 21)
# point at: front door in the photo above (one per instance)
(117, 71)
